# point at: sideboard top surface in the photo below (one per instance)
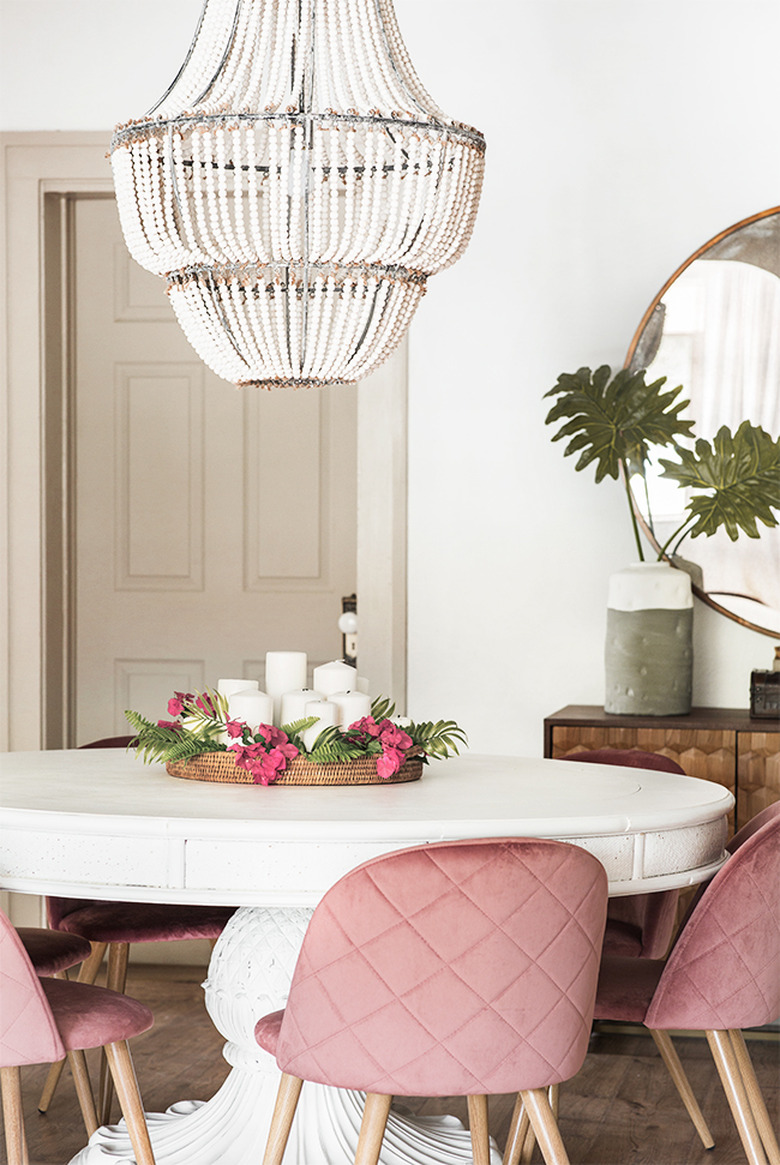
(737, 719)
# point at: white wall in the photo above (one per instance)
(621, 135)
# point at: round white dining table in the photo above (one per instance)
(99, 824)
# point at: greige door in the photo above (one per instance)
(212, 524)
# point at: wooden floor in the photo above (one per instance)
(620, 1110)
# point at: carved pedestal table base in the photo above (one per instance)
(249, 976)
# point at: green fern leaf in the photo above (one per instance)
(382, 708)
(296, 727)
(441, 739)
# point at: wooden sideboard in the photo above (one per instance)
(726, 745)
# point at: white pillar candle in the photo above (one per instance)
(251, 706)
(352, 706)
(362, 685)
(285, 671)
(327, 714)
(228, 687)
(293, 704)
(335, 677)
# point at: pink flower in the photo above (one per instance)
(389, 762)
(168, 724)
(177, 702)
(235, 728)
(204, 703)
(264, 758)
(366, 725)
(392, 736)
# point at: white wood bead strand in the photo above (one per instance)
(296, 186)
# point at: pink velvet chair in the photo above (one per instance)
(638, 924)
(752, 826)
(47, 1019)
(115, 926)
(722, 975)
(52, 953)
(458, 968)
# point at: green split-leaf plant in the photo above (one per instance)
(737, 479)
(614, 422)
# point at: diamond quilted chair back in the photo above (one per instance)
(28, 1033)
(724, 970)
(450, 969)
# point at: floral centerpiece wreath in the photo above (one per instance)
(200, 725)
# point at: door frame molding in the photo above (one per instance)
(41, 173)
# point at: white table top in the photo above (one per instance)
(99, 823)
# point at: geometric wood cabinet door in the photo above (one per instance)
(758, 772)
(725, 745)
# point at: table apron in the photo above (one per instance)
(262, 871)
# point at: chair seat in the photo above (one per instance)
(267, 1031)
(143, 922)
(626, 987)
(51, 951)
(622, 938)
(89, 1016)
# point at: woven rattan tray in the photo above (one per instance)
(220, 766)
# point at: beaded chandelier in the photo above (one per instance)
(296, 186)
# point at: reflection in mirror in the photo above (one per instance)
(715, 329)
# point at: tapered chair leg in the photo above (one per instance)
(78, 1068)
(519, 1126)
(372, 1128)
(728, 1070)
(87, 974)
(545, 1126)
(663, 1042)
(478, 1127)
(522, 1138)
(116, 980)
(123, 1074)
(755, 1097)
(15, 1142)
(282, 1119)
(527, 1148)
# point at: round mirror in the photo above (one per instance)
(714, 328)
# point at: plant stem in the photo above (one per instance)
(630, 500)
(681, 531)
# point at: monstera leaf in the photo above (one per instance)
(613, 422)
(740, 477)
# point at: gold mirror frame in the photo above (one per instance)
(631, 361)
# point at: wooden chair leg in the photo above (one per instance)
(728, 1070)
(663, 1042)
(519, 1126)
(116, 979)
(282, 1119)
(78, 1068)
(527, 1148)
(87, 974)
(15, 1144)
(372, 1128)
(478, 1127)
(123, 1073)
(755, 1097)
(545, 1126)
(522, 1137)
